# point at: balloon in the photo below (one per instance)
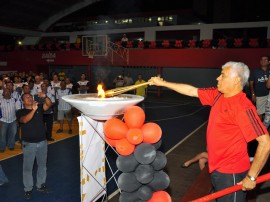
(157, 144)
(151, 133)
(144, 173)
(115, 129)
(124, 148)
(160, 161)
(126, 163)
(160, 182)
(144, 193)
(127, 182)
(134, 117)
(135, 136)
(145, 153)
(160, 196)
(110, 141)
(128, 197)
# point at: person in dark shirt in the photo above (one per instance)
(34, 142)
(258, 86)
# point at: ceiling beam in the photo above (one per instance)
(46, 24)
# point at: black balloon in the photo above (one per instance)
(161, 181)
(160, 161)
(127, 182)
(126, 163)
(144, 193)
(144, 173)
(145, 153)
(128, 197)
(157, 144)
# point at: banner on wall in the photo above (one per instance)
(92, 159)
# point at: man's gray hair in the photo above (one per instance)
(240, 69)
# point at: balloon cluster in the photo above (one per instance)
(142, 177)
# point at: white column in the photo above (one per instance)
(92, 159)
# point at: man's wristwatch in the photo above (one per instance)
(251, 178)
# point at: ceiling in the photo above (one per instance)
(36, 16)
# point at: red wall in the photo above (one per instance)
(204, 58)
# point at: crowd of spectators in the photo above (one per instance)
(14, 84)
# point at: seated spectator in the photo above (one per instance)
(202, 158)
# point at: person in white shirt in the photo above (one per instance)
(38, 83)
(69, 84)
(7, 121)
(83, 84)
(124, 39)
(55, 83)
(64, 109)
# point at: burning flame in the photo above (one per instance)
(101, 92)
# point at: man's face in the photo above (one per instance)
(27, 99)
(37, 79)
(63, 85)
(264, 61)
(226, 80)
(6, 94)
(26, 89)
(55, 77)
(43, 87)
(10, 86)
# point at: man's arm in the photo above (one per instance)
(184, 89)
(252, 91)
(47, 104)
(268, 82)
(29, 116)
(260, 158)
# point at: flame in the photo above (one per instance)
(101, 92)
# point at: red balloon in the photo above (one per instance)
(135, 136)
(151, 133)
(160, 196)
(134, 117)
(110, 141)
(115, 129)
(124, 148)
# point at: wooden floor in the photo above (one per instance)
(57, 137)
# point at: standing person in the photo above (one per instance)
(266, 120)
(8, 126)
(48, 114)
(83, 84)
(37, 84)
(124, 39)
(257, 84)
(233, 122)
(128, 80)
(64, 109)
(55, 83)
(34, 142)
(142, 91)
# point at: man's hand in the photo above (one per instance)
(35, 105)
(247, 184)
(253, 98)
(156, 81)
